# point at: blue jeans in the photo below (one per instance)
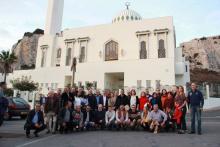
(195, 113)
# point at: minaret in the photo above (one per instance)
(54, 17)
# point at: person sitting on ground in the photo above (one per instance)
(134, 117)
(122, 120)
(158, 118)
(100, 117)
(78, 119)
(170, 123)
(145, 118)
(35, 121)
(65, 118)
(88, 118)
(110, 117)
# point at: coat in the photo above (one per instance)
(92, 101)
(3, 105)
(31, 116)
(121, 100)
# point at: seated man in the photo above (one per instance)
(65, 118)
(88, 118)
(135, 117)
(35, 121)
(100, 117)
(78, 118)
(158, 119)
(110, 117)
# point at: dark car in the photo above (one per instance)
(17, 107)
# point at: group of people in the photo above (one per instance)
(75, 110)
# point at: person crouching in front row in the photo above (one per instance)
(145, 118)
(35, 121)
(78, 119)
(135, 118)
(158, 119)
(88, 118)
(65, 118)
(110, 118)
(100, 117)
(122, 120)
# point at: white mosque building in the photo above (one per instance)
(128, 52)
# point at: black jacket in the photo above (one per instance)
(121, 100)
(91, 116)
(67, 97)
(99, 115)
(31, 116)
(92, 101)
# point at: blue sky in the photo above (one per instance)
(192, 18)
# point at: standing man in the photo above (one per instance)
(92, 100)
(51, 111)
(3, 102)
(122, 99)
(196, 102)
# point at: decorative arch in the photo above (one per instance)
(161, 50)
(143, 51)
(59, 53)
(111, 50)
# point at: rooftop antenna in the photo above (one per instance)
(127, 4)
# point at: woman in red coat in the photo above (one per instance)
(142, 101)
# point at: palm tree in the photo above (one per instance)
(7, 60)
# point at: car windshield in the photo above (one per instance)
(19, 100)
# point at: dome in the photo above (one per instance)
(126, 15)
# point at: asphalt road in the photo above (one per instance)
(12, 133)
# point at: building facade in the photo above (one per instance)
(129, 52)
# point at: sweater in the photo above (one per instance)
(109, 116)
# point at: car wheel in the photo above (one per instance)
(23, 116)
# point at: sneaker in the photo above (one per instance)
(155, 132)
(36, 134)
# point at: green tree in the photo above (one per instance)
(7, 60)
(24, 84)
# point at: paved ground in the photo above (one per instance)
(13, 136)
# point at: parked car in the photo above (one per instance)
(17, 107)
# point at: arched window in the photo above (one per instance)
(82, 54)
(68, 56)
(59, 53)
(143, 51)
(161, 50)
(111, 51)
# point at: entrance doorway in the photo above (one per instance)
(114, 81)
